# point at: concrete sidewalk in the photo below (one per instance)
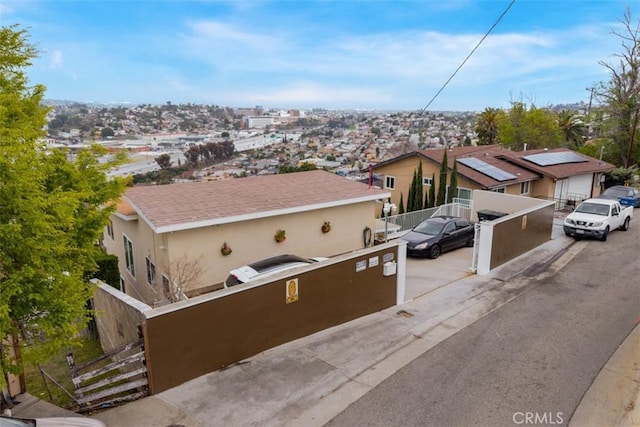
(309, 381)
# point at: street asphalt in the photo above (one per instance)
(309, 381)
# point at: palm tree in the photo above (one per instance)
(572, 127)
(486, 126)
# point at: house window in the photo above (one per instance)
(498, 190)
(525, 187)
(427, 181)
(128, 256)
(123, 283)
(110, 229)
(151, 271)
(390, 182)
(464, 193)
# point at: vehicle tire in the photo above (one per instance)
(470, 243)
(434, 251)
(625, 225)
(605, 234)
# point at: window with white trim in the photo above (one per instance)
(151, 271)
(498, 190)
(390, 182)
(110, 229)
(464, 193)
(525, 187)
(427, 181)
(128, 256)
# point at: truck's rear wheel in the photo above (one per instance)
(625, 225)
(605, 234)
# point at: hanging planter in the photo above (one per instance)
(280, 236)
(225, 249)
(326, 227)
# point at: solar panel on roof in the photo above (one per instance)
(486, 169)
(557, 158)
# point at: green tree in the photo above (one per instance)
(417, 193)
(432, 192)
(107, 132)
(164, 161)
(53, 212)
(401, 205)
(442, 181)
(486, 126)
(453, 183)
(621, 95)
(573, 129)
(531, 127)
(410, 196)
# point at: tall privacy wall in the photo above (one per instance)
(191, 338)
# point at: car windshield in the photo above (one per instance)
(617, 192)
(432, 228)
(593, 208)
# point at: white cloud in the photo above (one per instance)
(55, 60)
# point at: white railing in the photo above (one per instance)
(399, 224)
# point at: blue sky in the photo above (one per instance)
(369, 54)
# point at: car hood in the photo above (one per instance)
(415, 238)
(68, 422)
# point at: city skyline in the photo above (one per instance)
(375, 55)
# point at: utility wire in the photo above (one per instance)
(467, 58)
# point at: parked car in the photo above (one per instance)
(627, 196)
(439, 234)
(596, 218)
(267, 267)
(9, 421)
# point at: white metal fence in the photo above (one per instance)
(399, 224)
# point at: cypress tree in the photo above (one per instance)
(442, 184)
(453, 185)
(401, 207)
(411, 197)
(417, 204)
(432, 191)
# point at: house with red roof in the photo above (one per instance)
(557, 174)
(182, 239)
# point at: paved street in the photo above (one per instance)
(537, 354)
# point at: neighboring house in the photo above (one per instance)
(559, 174)
(168, 238)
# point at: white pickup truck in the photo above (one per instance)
(596, 218)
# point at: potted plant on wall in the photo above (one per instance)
(326, 227)
(280, 236)
(225, 249)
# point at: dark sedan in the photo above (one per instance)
(439, 234)
(627, 196)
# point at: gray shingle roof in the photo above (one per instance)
(191, 205)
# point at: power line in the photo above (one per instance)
(467, 58)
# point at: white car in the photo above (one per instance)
(267, 267)
(8, 421)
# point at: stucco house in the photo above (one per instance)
(169, 238)
(558, 174)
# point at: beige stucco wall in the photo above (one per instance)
(250, 241)
(254, 240)
(143, 240)
(117, 316)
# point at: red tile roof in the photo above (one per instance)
(191, 205)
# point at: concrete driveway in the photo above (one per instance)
(425, 275)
